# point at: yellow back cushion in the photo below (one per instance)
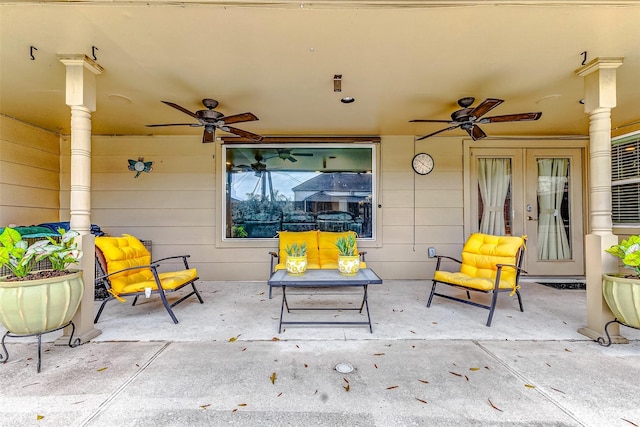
(124, 252)
(482, 252)
(288, 238)
(327, 246)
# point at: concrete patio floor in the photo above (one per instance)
(226, 364)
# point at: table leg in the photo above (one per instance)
(284, 302)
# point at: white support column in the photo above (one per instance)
(81, 97)
(600, 97)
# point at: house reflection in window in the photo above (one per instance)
(299, 188)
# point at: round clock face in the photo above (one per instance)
(422, 163)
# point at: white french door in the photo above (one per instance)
(532, 192)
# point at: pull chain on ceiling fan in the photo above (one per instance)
(468, 118)
(212, 119)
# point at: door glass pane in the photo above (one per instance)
(553, 209)
(494, 198)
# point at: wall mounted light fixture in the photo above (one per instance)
(140, 166)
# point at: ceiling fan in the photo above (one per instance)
(468, 118)
(286, 154)
(212, 119)
(258, 167)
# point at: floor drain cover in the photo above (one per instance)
(344, 368)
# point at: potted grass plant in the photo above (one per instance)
(622, 291)
(348, 257)
(37, 301)
(296, 262)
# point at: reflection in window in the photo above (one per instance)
(298, 188)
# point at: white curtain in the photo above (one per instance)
(553, 243)
(494, 177)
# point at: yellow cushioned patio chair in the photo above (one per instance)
(126, 269)
(490, 264)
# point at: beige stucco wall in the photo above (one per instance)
(29, 170)
(175, 204)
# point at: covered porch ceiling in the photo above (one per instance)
(400, 60)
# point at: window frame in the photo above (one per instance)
(632, 138)
(299, 143)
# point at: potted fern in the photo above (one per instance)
(296, 261)
(348, 257)
(34, 302)
(622, 291)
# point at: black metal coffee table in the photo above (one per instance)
(324, 279)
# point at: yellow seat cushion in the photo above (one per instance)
(328, 250)
(127, 251)
(321, 248)
(480, 255)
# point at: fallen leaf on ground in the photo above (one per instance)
(275, 339)
(39, 417)
(205, 406)
(455, 373)
(474, 369)
(273, 378)
(375, 366)
(279, 394)
(392, 387)
(378, 354)
(630, 422)
(232, 339)
(345, 380)
(420, 400)
(529, 386)
(566, 349)
(424, 381)
(559, 391)
(306, 366)
(242, 404)
(346, 387)
(101, 369)
(494, 406)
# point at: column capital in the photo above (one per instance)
(81, 80)
(599, 64)
(599, 83)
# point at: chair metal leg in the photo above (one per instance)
(494, 300)
(433, 289)
(519, 300)
(102, 308)
(163, 297)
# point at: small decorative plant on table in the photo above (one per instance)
(348, 257)
(296, 262)
(37, 302)
(620, 291)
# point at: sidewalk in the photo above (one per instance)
(225, 364)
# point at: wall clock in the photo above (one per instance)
(422, 163)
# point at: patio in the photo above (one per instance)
(225, 363)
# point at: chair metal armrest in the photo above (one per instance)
(153, 267)
(184, 260)
(274, 257)
(441, 257)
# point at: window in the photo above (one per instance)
(625, 179)
(298, 187)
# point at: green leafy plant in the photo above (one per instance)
(296, 250)
(238, 231)
(346, 245)
(629, 252)
(20, 258)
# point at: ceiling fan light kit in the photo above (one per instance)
(211, 120)
(468, 118)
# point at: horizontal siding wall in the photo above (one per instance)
(174, 206)
(29, 174)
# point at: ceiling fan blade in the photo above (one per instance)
(243, 133)
(184, 110)
(476, 133)
(429, 121)
(302, 154)
(522, 117)
(484, 107)
(208, 135)
(437, 132)
(175, 124)
(292, 159)
(237, 118)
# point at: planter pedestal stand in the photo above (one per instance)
(607, 342)
(5, 357)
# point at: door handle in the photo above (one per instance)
(530, 218)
